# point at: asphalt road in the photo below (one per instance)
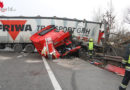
(23, 71)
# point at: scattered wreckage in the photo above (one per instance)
(52, 43)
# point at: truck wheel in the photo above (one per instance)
(2, 46)
(29, 48)
(18, 47)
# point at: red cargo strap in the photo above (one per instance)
(100, 36)
(97, 63)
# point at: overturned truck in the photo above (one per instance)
(52, 43)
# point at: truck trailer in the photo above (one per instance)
(15, 32)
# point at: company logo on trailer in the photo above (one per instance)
(4, 9)
(14, 27)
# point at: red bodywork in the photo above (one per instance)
(115, 69)
(47, 40)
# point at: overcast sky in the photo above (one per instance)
(80, 9)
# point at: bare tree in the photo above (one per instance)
(108, 16)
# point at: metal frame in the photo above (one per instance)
(38, 17)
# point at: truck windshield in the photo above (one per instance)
(47, 30)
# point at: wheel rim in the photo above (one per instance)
(18, 48)
(29, 48)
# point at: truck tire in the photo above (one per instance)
(2, 46)
(18, 47)
(29, 48)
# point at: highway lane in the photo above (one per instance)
(23, 71)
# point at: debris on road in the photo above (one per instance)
(73, 63)
(115, 69)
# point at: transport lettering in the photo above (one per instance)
(66, 29)
(18, 27)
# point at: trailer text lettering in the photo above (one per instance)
(20, 27)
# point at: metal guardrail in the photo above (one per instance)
(109, 58)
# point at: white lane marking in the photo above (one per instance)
(25, 54)
(19, 56)
(55, 83)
